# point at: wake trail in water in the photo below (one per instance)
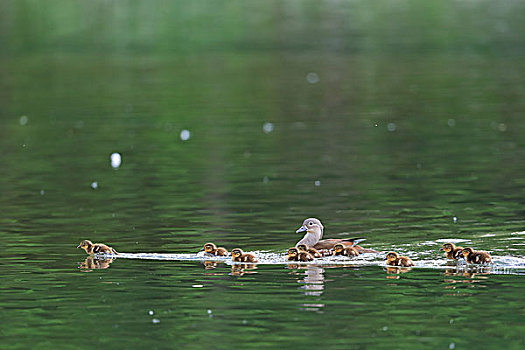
(500, 264)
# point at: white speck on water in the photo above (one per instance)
(502, 127)
(244, 321)
(42, 192)
(197, 286)
(451, 123)
(317, 183)
(451, 321)
(266, 179)
(150, 312)
(268, 127)
(418, 165)
(391, 127)
(94, 185)
(155, 320)
(385, 328)
(247, 154)
(312, 78)
(23, 120)
(116, 160)
(375, 124)
(452, 346)
(185, 135)
(209, 312)
(455, 219)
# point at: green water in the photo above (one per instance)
(414, 115)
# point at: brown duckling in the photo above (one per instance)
(452, 252)
(96, 248)
(295, 254)
(476, 257)
(314, 232)
(340, 249)
(314, 252)
(394, 259)
(239, 256)
(211, 248)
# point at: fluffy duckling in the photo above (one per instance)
(95, 248)
(340, 249)
(476, 257)
(239, 256)
(295, 254)
(394, 259)
(211, 248)
(314, 252)
(452, 252)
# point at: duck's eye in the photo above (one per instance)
(311, 223)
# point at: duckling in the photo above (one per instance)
(476, 257)
(295, 254)
(340, 249)
(240, 256)
(452, 252)
(95, 248)
(211, 248)
(314, 252)
(394, 259)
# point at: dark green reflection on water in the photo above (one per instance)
(416, 118)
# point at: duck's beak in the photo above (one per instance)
(301, 229)
(79, 246)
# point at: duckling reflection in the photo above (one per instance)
(396, 271)
(209, 265)
(242, 269)
(92, 263)
(468, 276)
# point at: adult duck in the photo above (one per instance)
(314, 232)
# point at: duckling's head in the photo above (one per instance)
(209, 247)
(293, 252)
(302, 247)
(467, 251)
(448, 247)
(85, 244)
(338, 248)
(237, 252)
(391, 256)
(311, 225)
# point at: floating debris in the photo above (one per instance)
(312, 78)
(391, 127)
(150, 312)
(185, 135)
(23, 120)
(268, 127)
(116, 160)
(317, 183)
(451, 123)
(94, 185)
(155, 320)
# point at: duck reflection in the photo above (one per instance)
(468, 276)
(242, 269)
(92, 262)
(313, 280)
(394, 272)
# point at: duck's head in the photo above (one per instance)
(85, 244)
(237, 252)
(391, 256)
(448, 247)
(338, 248)
(467, 251)
(293, 252)
(209, 247)
(302, 247)
(311, 225)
